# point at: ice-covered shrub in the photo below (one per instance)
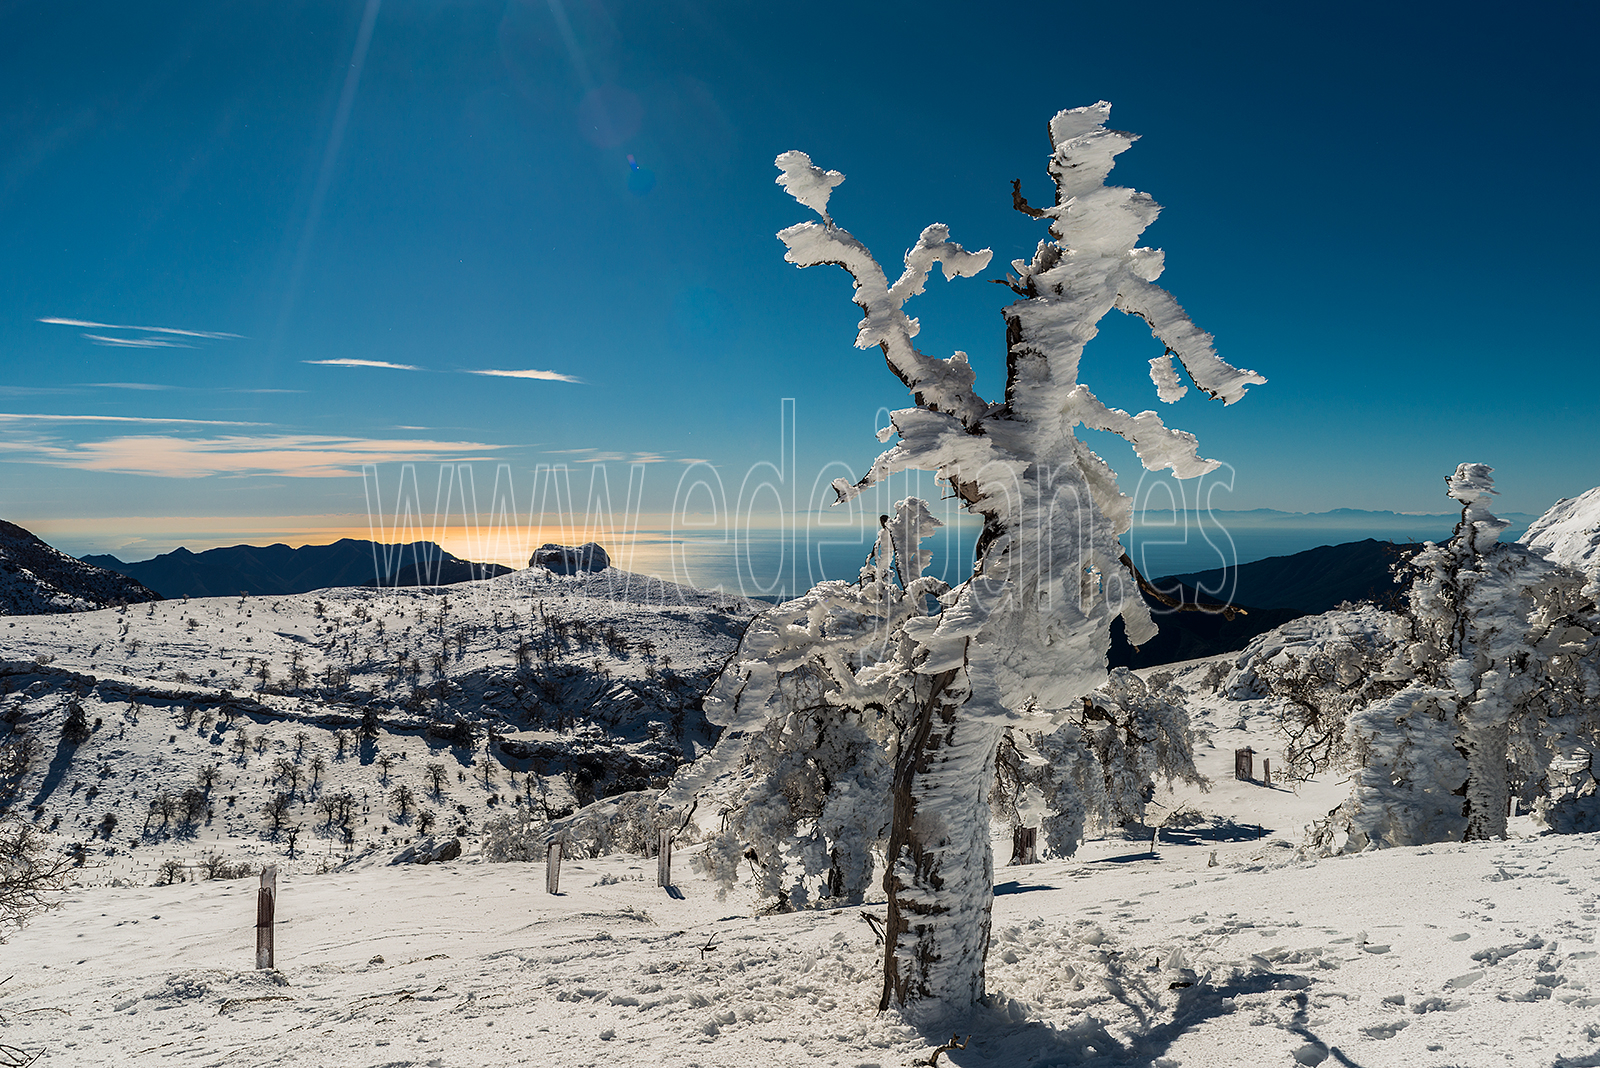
(515, 835)
(625, 823)
(798, 784)
(1317, 686)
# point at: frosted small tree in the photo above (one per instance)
(1496, 650)
(1099, 766)
(812, 706)
(1026, 636)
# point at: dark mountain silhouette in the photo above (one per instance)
(1272, 592)
(278, 569)
(442, 573)
(36, 579)
(1192, 635)
(1314, 581)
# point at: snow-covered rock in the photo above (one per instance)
(570, 559)
(429, 851)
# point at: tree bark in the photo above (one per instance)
(940, 873)
(1486, 743)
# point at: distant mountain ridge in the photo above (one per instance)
(1334, 517)
(36, 579)
(264, 570)
(1271, 591)
(1309, 582)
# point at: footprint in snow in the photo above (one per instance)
(1496, 954)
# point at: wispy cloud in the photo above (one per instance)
(156, 386)
(597, 456)
(136, 342)
(543, 376)
(31, 417)
(128, 385)
(212, 334)
(366, 363)
(291, 455)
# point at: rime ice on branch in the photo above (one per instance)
(1026, 636)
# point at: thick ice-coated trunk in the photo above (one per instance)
(1486, 744)
(940, 876)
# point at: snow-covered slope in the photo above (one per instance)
(34, 578)
(1569, 533)
(532, 689)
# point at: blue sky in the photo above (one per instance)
(1386, 210)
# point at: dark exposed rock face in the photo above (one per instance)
(444, 572)
(36, 579)
(570, 559)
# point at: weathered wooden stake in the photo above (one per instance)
(552, 868)
(1244, 763)
(1266, 771)
(664, 859)
(266, 906)
(1025, 845)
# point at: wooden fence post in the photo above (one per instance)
(1025, 845)
(1266, 771)
(1244, 763)
(266, 907)
(664, 859)
(552, 868)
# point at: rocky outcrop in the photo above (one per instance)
(429, 851)
(570, 559)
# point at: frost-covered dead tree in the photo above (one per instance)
(29, 872)
(1317, 686)
(1497, 652)
(1026, 636)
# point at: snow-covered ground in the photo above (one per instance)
(1223, 945)
(1440, 955)
(1464, 954)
